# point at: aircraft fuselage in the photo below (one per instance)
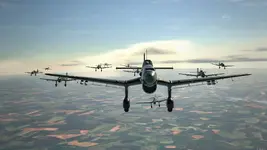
(148, 77)
(201, 74)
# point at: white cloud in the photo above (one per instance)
(176, 50)
(226, 17)
(133, 52)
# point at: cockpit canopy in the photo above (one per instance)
(148, 62)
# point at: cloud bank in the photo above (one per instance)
(261, 49)
(176, 53)
(73, 63)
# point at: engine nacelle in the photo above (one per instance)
(126, 105)
(169, 104)
(213, 82)
(208, 83)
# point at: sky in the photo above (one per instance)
(67, 35)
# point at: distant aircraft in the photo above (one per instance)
(201, 73)
(127, 65)
(48, 68)
(35, 72)
(107, 64)
(220, 64)
(59, 79)
(99, 66)
(134, 71)
(149, 82)
(154, 101)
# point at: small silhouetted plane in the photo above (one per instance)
(134, 71)
(149, 81)
(48, 68)
(107, 64)
(100, 66)
(35, 72)
(59, 79)
(154, 101)
(201, 73)
(220, 64)
(127, 65)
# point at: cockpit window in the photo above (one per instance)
(148, 62)
(150, 69)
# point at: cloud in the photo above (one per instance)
(164, 1)
(73, 63)
(180, 53)
(8, 3)
(226, 17)
(156, 51)
(231, 58)
(250, 3)
(261, 49)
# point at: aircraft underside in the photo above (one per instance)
(149, 90)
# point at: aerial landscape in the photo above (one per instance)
(130, 75)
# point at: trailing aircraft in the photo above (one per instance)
(35, 72)
(134, 71)
(220, 64)
(149, 81)
(107, 64)
(59, 79)
(201, 73)
(154, 101)
(48, 68)
(127, 65)
(100, 66)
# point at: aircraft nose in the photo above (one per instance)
(150, 77)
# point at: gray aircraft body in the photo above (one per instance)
(220, 64)
(35, 72)
(154, 101)
(59, 80)
(134, 71)
(201, 73)
(100, 66)
(47, 68)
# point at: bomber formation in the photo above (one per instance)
(147, 77)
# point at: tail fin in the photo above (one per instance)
(197, 70)
(144, 56)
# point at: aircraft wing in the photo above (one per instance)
(130, 82)
(215, 64)
(48, 79)
(161, 100)
(91, 67)
(163, 67)
(144, 102)
(228, 65)
(28, 72)
(105, 67)
(197, 80)
(215, 74)
(188, 74)
(128, 67)
(129, 71)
